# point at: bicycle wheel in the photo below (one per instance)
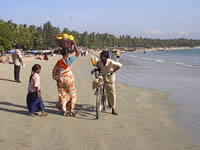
(98, 103)
(103, 100)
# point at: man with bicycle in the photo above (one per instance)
(108, 67)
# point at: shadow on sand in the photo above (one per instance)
(84, 111)
(10, 104)
(21, 112)
(7, 80)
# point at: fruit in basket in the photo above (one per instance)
(65, 36)
(70, 37)
(64, 40)
(58, 37)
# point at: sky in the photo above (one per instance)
(146, 18)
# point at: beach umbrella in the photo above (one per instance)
(33, 52)
(11, 51)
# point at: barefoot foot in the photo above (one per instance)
(31, 115)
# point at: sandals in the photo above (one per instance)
(65, 113)
(43, 114)
(73, 113)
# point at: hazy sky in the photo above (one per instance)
(146, 18)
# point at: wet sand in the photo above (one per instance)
(144, 121)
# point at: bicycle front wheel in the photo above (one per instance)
(98, 103)
(103, 100)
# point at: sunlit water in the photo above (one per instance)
(174, 71)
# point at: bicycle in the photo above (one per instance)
(100, 92)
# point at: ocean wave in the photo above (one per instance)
(160, 60)
(165, 61)
(182, 64)
(157, 60)
(145, 58)
(133, 56)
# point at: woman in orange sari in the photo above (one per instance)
(62, 73)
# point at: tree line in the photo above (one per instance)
(14, 35)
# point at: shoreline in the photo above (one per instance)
(172, 48)
(171, 109)
(142, 49)
(144, 120)
(162, 76)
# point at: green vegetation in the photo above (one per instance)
(32, 37)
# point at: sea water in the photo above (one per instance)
(173, 71)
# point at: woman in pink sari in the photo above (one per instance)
(62, 73)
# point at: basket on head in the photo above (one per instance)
(64, 43)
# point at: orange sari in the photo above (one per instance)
(62, 73)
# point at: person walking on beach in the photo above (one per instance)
(62, 73)
(17, 60)
(34, 99)
(45, 57)
(108, 67)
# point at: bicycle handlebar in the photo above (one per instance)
(95, 70)
(98, 73)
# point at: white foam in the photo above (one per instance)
(160, 60)
(164, 61)
(133, 56)
(182, 64)
(145, 58)
(157, 60)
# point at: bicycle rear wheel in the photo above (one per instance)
(98, 103)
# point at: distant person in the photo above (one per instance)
(108, 67)
(34, 99)
(109, 54)
(52, 54)
(8, 60)
(1, 59)
(17, 61)
(86, 52)
(62, 73)
(82, 52)
(38, 57)
(117, 54)
(3, 53)
(46, 57)
(91, 51)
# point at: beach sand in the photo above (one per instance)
(144, 121)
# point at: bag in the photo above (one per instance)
(94, 60)
(95, 84)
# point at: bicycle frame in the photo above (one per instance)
(100, 91)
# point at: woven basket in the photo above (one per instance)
(64, 43)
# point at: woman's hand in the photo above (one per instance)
(110, 73)
(114, 70)
(76, 48)
(38, 95)
(38, 92)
